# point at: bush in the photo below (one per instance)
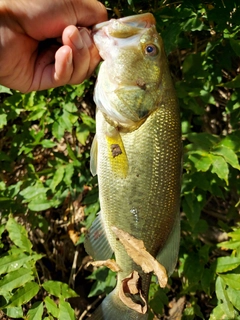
(49, 198)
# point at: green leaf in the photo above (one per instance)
(58, 130)
(57, 178)
(72, 155)
(18, 234)
(235, 44)
(34, 191)
(23, 295)
(232, 141)
(232, 280)
(15, 312)
(235, 235)
(13, 260)
(48, 143)
(69, 171)
(234, 297)
(90, 122)
(59, 289)
(5, 90)
(70, 107)
(15, 279)
(3, 120)
(201, 162)
(218, 313)
(225, 264)
(158, 300)
(229, 245)
(105, 281)
(222, 296)
(82, 133)
(36, 311)
(51, 306)
(40, 203)
(38, 113)
(65, 311)
(235, 83)
(220, 167)
(228, 154)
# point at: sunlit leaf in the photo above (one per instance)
(65, 311)
(51, 306)
(227, 263)
(57, 178)
(220, 167)
(228, 154)
(59, 289)
(222, 296)
(232, 280)
(3, 120)
(18, 234)
(5, 90)
(15, 312)
(15, 279)
(23, 295)
(14, 259)
(234, 297)
(36, 311)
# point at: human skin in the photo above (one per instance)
(28, 63)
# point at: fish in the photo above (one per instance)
(137, 155)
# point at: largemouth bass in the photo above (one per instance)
(136, 154)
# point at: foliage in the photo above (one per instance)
(48, 196)
(19, 282)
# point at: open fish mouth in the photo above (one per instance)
(127, 26)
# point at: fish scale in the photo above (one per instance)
(137, 160)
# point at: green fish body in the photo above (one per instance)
(136, 154)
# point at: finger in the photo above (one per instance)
(54, 68)
(90, 12)
(85, 54)
(55, 15)
(74, 61)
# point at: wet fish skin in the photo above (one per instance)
(136, 153)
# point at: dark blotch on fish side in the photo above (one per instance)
(141, 84)
(116, 150)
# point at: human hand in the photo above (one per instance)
(27, 62)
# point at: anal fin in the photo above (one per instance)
(96, 242)
(168, 256)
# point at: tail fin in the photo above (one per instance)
(112, 308)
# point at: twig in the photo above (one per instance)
(90, 306)
(73, 274)
(215, 215)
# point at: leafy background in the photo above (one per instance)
(48, 198)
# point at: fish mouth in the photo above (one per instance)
(127, 26)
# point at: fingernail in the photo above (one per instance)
(86, 37)
(77, 40)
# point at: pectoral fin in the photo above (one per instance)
(96, 242)
(93, 156)
(168, 256)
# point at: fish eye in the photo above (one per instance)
(151, 50)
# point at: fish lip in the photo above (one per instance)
(141, 21)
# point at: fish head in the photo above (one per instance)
(130, 78)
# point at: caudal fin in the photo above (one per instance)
(112, 308)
